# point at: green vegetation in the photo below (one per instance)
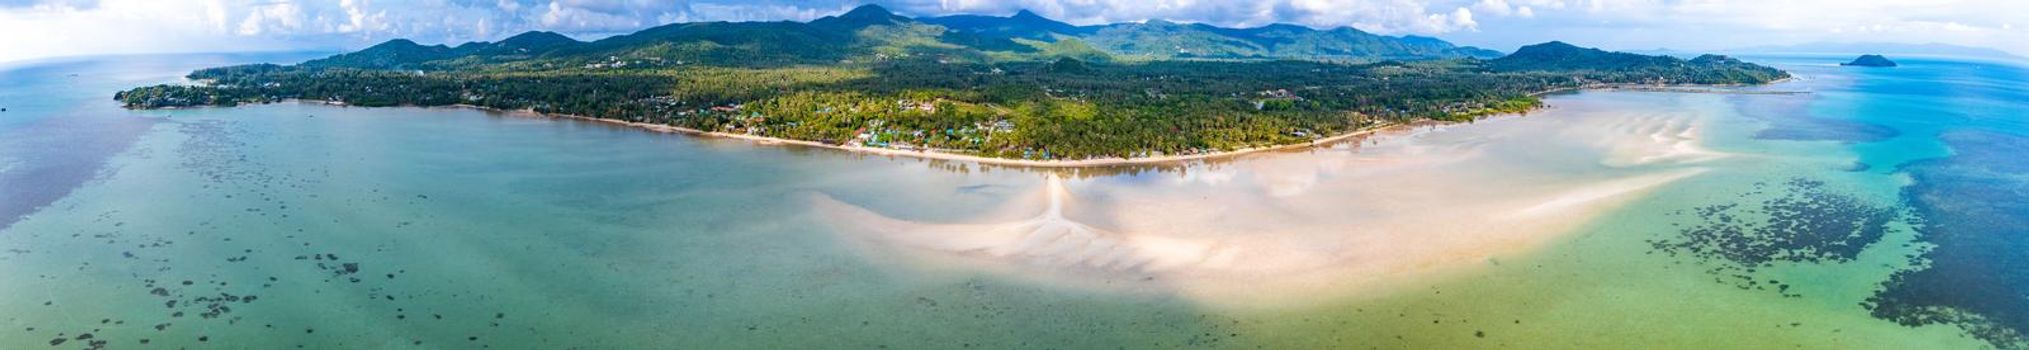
(875, 79)
(1601, 65)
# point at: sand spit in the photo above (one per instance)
(1282, 228)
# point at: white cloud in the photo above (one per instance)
(118, 26)
(1494, 7)
(280, 17)
(359, 17)
(1503, 8)
(1460, 18)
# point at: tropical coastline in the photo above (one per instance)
(946, 155)
(1019, 100)
(1683, 88)
(923, 153)
(1078, 163)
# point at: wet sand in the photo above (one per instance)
(1281, 227)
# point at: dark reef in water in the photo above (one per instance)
(189, 302)
(1804, 223)
(1975, 212)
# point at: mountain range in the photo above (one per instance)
(871, 32)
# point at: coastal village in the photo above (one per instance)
(878, 132)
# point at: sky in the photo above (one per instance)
(53, 28)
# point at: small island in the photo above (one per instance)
(1870, 61)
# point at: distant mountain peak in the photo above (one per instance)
(1556, 48)
(1552, 45)
(535, 35)
(1348, 30)
(392, 54)
(398, 43)
(1022, 24)
(1283, 26)
(537, 38)
(862, 16)
(532, 42)
(868, 11)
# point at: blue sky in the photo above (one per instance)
(48, 28)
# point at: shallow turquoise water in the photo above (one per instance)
(289, 224)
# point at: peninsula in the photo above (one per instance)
(1020, 88)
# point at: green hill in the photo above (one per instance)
(393, 54)
(1023, 24)
(1604, 66)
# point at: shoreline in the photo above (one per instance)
(1680, 88)
(942, 155)
(931, 154)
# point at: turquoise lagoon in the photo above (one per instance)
(1851, 208)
